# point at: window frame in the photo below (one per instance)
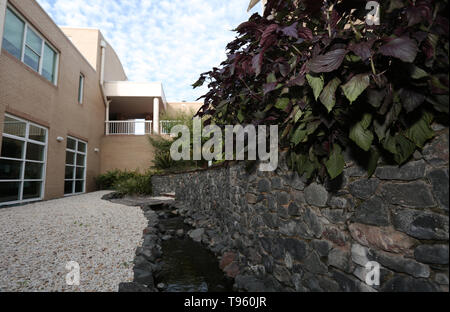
(74, 179)
(27, 26)
(23, 161)
(81, 82)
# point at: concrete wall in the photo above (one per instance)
(126, 152)
(275, 232)
(87, 41)
(188, 108)
(26, 94)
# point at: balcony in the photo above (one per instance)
(137, 127)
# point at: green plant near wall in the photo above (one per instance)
(163, 160)
(330, 81)
(125, 182)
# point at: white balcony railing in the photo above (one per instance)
(137, 127)
(129, 127)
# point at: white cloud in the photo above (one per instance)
(170, 41)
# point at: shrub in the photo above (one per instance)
(330, 81)
(140, 184)
(125, 182)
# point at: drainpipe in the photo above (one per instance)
(102, 81)
(2, 20)
(102, 65)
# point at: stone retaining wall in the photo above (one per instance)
(275, 232)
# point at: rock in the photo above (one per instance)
(252, 284)
(411, 171)
(360, 254)
(334, 215)
(143, 277)
(327, 284)
(313, 264)
(312, 221)
(271, 220)
(338, 203)
(197, 234)
(340, 258)
(147, 254)
(439, 181)
(415, 195)
(161, 286)
(227, 258)
(401, 264)
(282, 275)
(441, 279)
(277, 183)
(180, 232)
(166, 237)
(400, 283)
(373, 212)
(422, 224)
(297, 248)
(436, 153)
(364, 188)
(251, 198)
(384, 238)
(288, 261)
(321, 246)
(297, 281)
(294, 209)
(433, 254)
(282, 198)
(316, 195)
(348, 283)
(355, 171)
(232, 270)
(294, 181)
(264, 186)
(335, 235)
(288, 228)
(133, 287)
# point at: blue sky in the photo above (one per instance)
(168, 41)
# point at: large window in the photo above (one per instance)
(75, 176)
(22, 41)
(22, 161)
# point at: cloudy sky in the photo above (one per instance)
(168, 41)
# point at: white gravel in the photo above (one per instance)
(37, 240)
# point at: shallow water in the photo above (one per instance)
(187, 266)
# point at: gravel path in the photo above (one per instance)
(37, 240)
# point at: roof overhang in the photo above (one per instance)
(120, 91)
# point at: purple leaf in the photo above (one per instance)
(257, 62)
(291, 31)
(327, 62)
(403, 48)
(363, 49)
(268, 87)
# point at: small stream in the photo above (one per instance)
(187, 266)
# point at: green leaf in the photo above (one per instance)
(271, 78)
(282, 103)
(417, 72)
(240, 116)
(361, 135)
(366, 120)
(335, 164)
(373, 161)
(298, 136)
(328, 96)
(312, 126)
(405, 148)
(298, 115)
(316, 84)
(421, 131)
(375, 97)
(356, 86)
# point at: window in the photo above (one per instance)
(22, 161)
(80, 89)
(75, 174)
(22, 41)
